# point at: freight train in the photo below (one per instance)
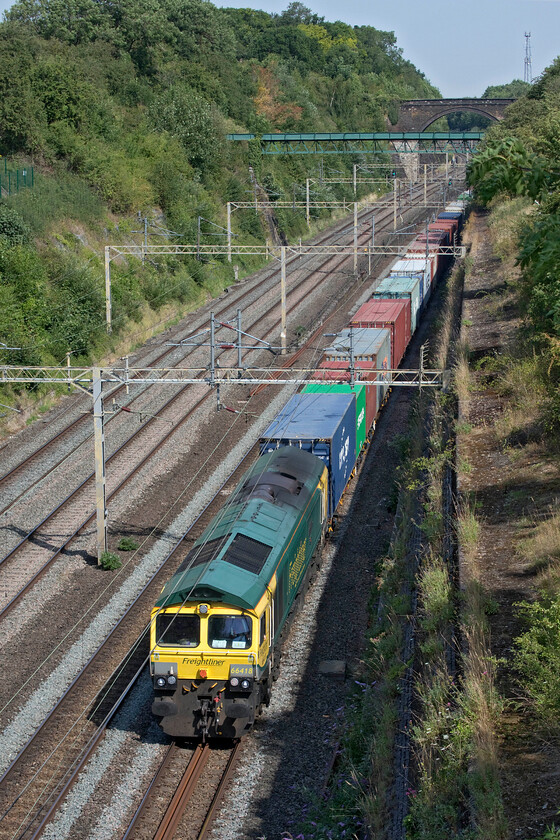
(215, 628)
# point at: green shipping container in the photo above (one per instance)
(359, 390)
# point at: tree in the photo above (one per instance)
(511, 90)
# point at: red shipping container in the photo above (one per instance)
(443, 229)
(392, 314)
(366, 373)
(449, 225)
(453, 222)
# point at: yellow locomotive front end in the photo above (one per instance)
(209, 666)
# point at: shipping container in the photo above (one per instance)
(449, 225)
(323, 424)
(454, 215)
(419, 247)
(394, 315)
(398, 288)
(443, 229)
(372, 351)
(415, 266)
(364, 419)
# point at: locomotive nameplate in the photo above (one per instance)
(241, 671)
(200, 662)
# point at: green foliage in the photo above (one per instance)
(511, 90)
(537, 655)
(507, 166)
(127, 544)
(189, 118)
(110, 561)
(13, 229)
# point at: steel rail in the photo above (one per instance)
(97, 653)
(79, 374)
(219, 792)
(182, 795)
(42, 570)
(128, 611)
(158, 776)
(92, 743)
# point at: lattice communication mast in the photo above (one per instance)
(528, 72)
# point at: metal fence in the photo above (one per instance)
(14, 180)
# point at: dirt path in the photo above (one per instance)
(514, 483)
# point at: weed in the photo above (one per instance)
(109, 561)
(127, 544)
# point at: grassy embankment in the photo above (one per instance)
(455, 783)
(56, 258)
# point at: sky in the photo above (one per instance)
(461, 47)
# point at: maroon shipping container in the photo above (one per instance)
(392, 314)
(344, 376)
(447, 225)
(445, 232)
(454, 222)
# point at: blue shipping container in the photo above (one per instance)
(402, 287)
(323, 424)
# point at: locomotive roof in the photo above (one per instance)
(236, 556)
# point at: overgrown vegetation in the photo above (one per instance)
(519, 157)
(123, 108)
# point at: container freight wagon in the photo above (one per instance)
(323, 424)
(372, 353)
(393, 315)
(402, 288)
(365, 404)
(431, 244)
(410, 266)
(454, 215)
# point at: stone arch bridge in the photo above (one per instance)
(418, 114)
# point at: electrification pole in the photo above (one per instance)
(99, 446)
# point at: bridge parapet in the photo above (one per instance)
(418, 114)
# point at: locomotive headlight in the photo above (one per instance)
(245, 684)
(171, 679)
(160, 682)
(234, 682)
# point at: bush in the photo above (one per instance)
(12, 227)
(537, 655)
(109, 561)
(127, 544)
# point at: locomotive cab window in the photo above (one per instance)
(263, 628)
(230, 631)
(178, 630)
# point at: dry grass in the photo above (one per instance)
(462, 378)
(541, 551)
(505, 223)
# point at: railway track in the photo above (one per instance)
(40, 775)
(183, 789)
(65, 763)
(78, 506)
(14, 476)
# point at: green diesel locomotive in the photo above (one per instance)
(216, 624)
